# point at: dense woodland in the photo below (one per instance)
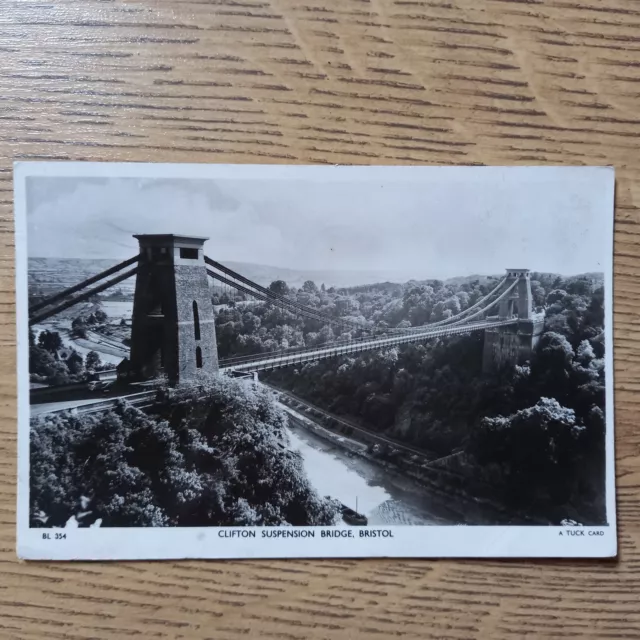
(535, 431)
(220, 460)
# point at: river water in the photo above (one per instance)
(384, 496)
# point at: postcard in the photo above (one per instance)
(261, 361)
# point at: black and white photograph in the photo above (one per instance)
(276, 361)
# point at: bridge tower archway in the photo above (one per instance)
(172, 326)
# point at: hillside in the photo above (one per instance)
(48, 275)
(52, 274)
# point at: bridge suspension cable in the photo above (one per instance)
(458, 316)
(505, 293)
(472, 307)
(262, 293)
(283, 303)
(61, 295)
(342, 346)
(39, 317)
(271, 296)
(275, 360)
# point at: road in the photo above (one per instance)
(367, 434)
(51, 407)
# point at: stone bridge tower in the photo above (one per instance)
(513, 344)
(173, 329)
(519, 301)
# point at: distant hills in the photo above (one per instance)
(48, 275)
(53, 274)
(265, 275)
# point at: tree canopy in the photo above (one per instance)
(214, 455)
(436, 396)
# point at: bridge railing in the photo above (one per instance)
(140, 400)
(412, 331)
(328, 345)
(277, 359)
(291, 351)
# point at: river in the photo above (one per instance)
(384, 496)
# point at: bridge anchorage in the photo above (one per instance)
(173, 333)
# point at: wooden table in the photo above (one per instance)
(328, 81)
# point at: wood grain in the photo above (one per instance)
(327, 81)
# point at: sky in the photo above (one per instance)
(426, 228)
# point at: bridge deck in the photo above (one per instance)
(321, 353)
(269, 362)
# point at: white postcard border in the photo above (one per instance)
(212, 542)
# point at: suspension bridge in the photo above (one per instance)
(173, 333)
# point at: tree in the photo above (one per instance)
(453, 305)
(250, 322)
(50, 340)
(214, 455)
(74, 363)
(438, 311)
(279, 287)
(92, 361)
(535, 447)
(325, 335)
(537, 293)
(310, 287)
(59, 374)
(557, 295)
(346, 305)
(42, 363)
(580, 286)
(79, 328)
